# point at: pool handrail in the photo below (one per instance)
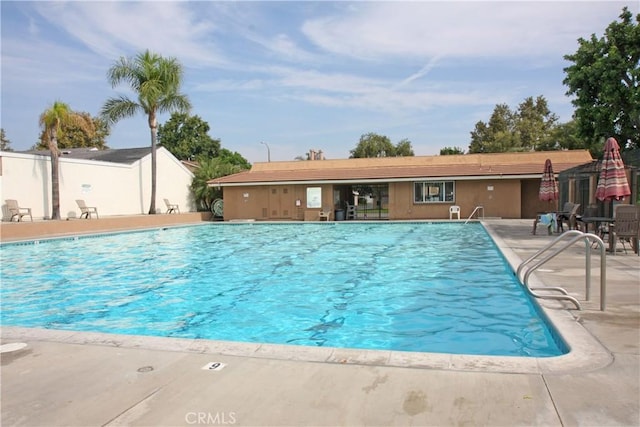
(477, 209)
(575, 236)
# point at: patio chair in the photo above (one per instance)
(325, 214)
(568, 214)
(171, 207)
(625, 228)
(86, 211)
(16, 211)
(351, 211)
(548, 220)
(589, 212)
(454, 210)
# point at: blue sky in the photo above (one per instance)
(300, 75)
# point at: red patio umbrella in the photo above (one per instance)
(548, 184)
(612, 183)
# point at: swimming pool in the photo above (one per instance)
(441, 287)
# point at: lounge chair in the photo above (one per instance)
(625, 227)
(171, 207)
(325, 214)
(86, 211)
(16, 211)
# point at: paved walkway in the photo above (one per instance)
(65, 378)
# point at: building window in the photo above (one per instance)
(433, 192)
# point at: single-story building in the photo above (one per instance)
(578, 184)
(505, 185)
(116, 182)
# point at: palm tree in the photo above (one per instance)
(157, 81)
(209, 169)
(51, 122)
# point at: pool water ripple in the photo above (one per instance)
(401, 286)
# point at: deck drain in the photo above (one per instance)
(14, 346)
(145, 369)
(214, 366)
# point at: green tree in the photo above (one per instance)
(4, 142)
(156, 81)
(209, 169)
(186, 137)
(604, 80)
(234, 158)
(498, 135)
(404, 149)
(374, 145)
(74, 136)
(534, 125)
(566, 137)
(52, 122)
(446, 151)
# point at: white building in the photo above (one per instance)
(117, 182)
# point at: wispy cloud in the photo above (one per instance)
(378, 30)
(113, 28)
(307, 72)
(421, 73)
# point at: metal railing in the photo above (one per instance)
(477, 209)
(536, 261)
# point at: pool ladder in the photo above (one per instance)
(568, 238)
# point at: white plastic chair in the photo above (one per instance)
(325, 214)
(454, 210)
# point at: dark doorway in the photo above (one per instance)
(371, 200)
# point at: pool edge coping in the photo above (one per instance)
(586, 353)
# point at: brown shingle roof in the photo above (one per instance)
(466, 166)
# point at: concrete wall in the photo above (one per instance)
(114, 188)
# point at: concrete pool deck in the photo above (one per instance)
(70, 378)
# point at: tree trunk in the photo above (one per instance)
(152, 208)
(55, 181)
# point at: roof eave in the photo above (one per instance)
(375, 180)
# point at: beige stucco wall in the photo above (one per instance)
(115, 189)
(499, 198)
(531, 203)
(268, 203)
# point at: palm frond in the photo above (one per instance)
(173, 102)
(115, 109)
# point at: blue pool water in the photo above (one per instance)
(441, 287)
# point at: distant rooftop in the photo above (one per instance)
(464, 166)
(123, 155)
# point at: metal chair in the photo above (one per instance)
(568, 215)
(589, 211)
(626, 227)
